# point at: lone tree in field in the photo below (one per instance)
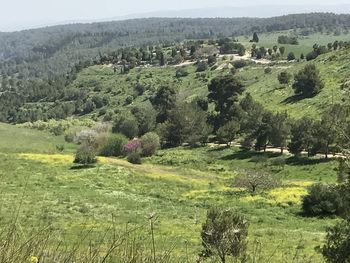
(255, 37)
(223, 92)
(224, 234)
(255, 180)
(307, 81)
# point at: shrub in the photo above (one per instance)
(224, 233)
(132, 146)
(126, 124)
(322, 200)
(240, 64)
(71, 134)
(150, 143)
(85, 155)
(181, 72)
(87, 137)
(202, 66)
(134, 158)
(113, 145)
(268, 70)
(337, 247)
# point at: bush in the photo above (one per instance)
(127, 125)
(85, 155)
(113, 145)
(134, 158)
(181, 72)
(268, 70)
(240, 64)
(322, 200)
(71, 134)
(224, 233)
(337, 247)
(150, 143)
(202, 66)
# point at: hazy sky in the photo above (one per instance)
(17, 14)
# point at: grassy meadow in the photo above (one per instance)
(39, 184)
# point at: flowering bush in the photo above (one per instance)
(132, 146)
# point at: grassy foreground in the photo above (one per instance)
(178, 185)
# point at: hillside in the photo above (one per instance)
(82, 205)
(120, 91)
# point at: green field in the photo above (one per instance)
(178, 185)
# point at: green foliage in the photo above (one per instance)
(291, 56)
(224, 234)
(323, 200)
(290, 40)
(337, 245)
(255, 38)
(202, 66)
(223, 92)
(126, 124)
(186, 123)
(113, 145)
(307, 81)
(164, 101)
(85, 155)
(134, 157)
(284, 78)
(228, 132)
(150, 143)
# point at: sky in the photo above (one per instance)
(20, 14)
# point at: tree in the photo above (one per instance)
(145, 116)
(164, 101)
(150, 143)
(280, 131)
(186, 123)
(256, 180)
(291, 56)
(255, 37)
(262, 131)
(337, 245)
(282, 50)
(224, 234)
(284, 78)
(126, 124)
(223, 92)
(307, 81)
(302, 136)
(228, 132)
(202, 66)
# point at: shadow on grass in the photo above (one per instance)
(81, 167)
(294, 99)
(246, 154)
(295, 160)
(218, 148)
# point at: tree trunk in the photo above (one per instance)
(282, 149)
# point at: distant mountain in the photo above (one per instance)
(263, 11)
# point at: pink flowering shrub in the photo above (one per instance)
(132, 146)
